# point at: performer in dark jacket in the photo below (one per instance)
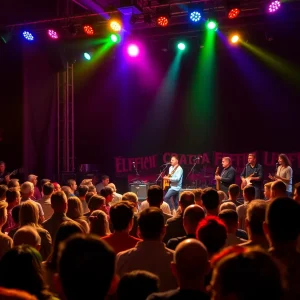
(227, 176)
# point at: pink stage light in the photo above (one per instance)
(274, 6)
(52, 34)
(133, 50)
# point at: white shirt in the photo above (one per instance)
(176, 178)
(164, 207)
(46, 206)
(99, 187)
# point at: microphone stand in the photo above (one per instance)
(136, 173)
(192, 170)
(163, 171)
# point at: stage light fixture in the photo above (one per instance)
(235, 39)
(163, 16)
(233, 8)
(162, 21)
(87, 56)
(53, 34)
(88, 29)
(115, 38)
(195, 16)
(195, 12)
(274, 6)
(115, 25)
(28, 35)
(133, 50)
(181, 46)
(212, 25)
(233, 13)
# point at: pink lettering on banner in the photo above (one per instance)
(191, 159)
(205, 159)
(182, 160)
(218, 158)
(118, 165)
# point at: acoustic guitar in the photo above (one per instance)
(166, 182)
(14, 172)
(217, 181)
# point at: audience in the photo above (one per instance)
(116, 197)
(137, 285)
(57, 187)
(15, 216)
(278, 189)
(36, 192)
(82, 192)
(99, 223)
(104, 182)
(67, 190)
(227, 205)
(296, 195)
(96, 202)
(73, 186)
(121, 217)
(255, 218)
(75, 212)
(13, 199)
(222, 196)
(210, 199)
(233, 193)
(12, 294)
(198, 197)
(132, 198)
(6, 242)
(190, 268)
(27, 235)
(92, 189)
(108, 194)
(175, 224)
(3, 190)
(45, 201)
(267, 190)
(192, 215)
(86, 268)
(14, 184)
(150, 254)
(248, 195)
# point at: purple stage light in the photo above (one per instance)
(274, 6)
(52, 34)
(133, 50)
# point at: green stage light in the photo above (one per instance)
(212, 25)
(115, 38)
(87, 56)
(181, 46)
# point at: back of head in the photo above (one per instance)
(75, 209)
(192, 215)
(29, 213)
(92, 189)
(99, 223)
(106, 191)
(283, 220)
(27, 188)
(191, 259)
(88, 196)
(131, 197)
(249, 193)
(27, 235)
(228, 205)
(13, 183)
(222, 196)
(11, 294)
(21, 269)
(198, 195)
(3, 212)
(212, 232)
(112, 186)
(3, 189)
(67, 190)
(96, 202)
(32, 177)
(48, 188)
(234, 191)
(278, 189)
(12, 194)
(15, 212)
(155, 195)
(121, 215)
(59, 202)
(85, 261)
(229, 217)
(151, 223)
(82, 190)
(186, 198)
(247, 275)
(210, 199)
(137, 285)
(256, 214)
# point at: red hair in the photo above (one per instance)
(227, 251)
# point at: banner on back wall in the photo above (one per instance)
(151, 163)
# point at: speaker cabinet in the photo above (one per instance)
(140, 189)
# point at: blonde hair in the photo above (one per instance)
(27, 187)
(222, 196)
(99, 223)
(29, 214)
(3, 207)
(75, 210)
(268, 185)
(111, 185)
(131, 197)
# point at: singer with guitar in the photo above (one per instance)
(174, 180)
(252, 174)
(4, 176)
(227, 176)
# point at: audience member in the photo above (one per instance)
(67, 190)
(12, 294)
(86, 268)
(99, 223)
(21, 269)
(190, 267)
(227, 205)
(210, 199)
(267, 190)
(96, 202)
(175, 225)
(87, 182)
(92, 189)
(132, 198)
(116, 197)
(27, 235)
(36, 192)
(198, 197)
(59, 204)
(108, 194)
(150, 254)
(82, 192)
(29, 217)
(233, 193)
(104, 182)
(42, 182)
(230, 218)
(75, 212)
(222, 196)
(212, 232)
(137, 285)
(65, 230)
(3, 189)
(15, 216)
(164, 206)
(73, 186)
(45, 201)
(121, 217)
(27, 190)
(255, 218)
(248, 195)
(6, 242)
(278, 189)
(282, 228)
(246, 274)
(14, 184)
(13, 198)
(192, 215)
(296, 195)
(57, 187)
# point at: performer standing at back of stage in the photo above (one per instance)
(175, 179)
(252, 174)
(227, 176)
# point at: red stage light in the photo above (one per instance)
(88, 29)
(233, 13)
(162, 21)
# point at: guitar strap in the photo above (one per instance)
(172, 173)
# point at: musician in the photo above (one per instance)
(227, 176)
(4, 176)
(175, 183)
(284, 173)
(256, 170)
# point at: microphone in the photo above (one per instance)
(197, 158)
(133, 163)
(168, 163)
